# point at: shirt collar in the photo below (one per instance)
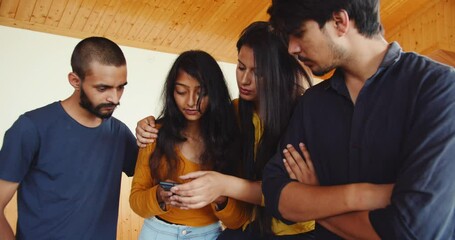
(392, 56)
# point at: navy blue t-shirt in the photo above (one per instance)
(400, 130)
(69, 174)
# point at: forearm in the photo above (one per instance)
(6, 232)
(235, 213)
(299, 202)
(353, 226)
(242, 189)
(144, 202)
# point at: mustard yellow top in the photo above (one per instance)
(143, 199)
(278, 227)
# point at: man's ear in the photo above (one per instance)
(341, 21)
(74, 80)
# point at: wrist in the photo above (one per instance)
(162, 205)
(220, 203)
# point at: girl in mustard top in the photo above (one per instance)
(198, 131)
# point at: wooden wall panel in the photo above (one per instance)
(430, 31)
(129, 223)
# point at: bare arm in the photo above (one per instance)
(146, 131)
(353, 226)
(316, 202)
(7, 190)
(207, 186)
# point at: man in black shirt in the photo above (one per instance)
(385, 116)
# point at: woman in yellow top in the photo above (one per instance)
(198, 131)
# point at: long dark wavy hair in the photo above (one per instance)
(279, 81)
(219, 128)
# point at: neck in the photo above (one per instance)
(192, 130)
(364, 60)
(78, 113)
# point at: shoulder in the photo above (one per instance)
(47, 111)
(423, 66)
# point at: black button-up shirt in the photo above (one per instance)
(400, 130)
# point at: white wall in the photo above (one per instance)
(34, 68)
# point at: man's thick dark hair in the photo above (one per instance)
(279, 78)
(286, 16)
(218, 124)
(97, 49)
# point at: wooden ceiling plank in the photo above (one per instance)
(41, 11)
(150, 28)
(8, 8)
(213, 26)
(134, 11)
(82, 15)
(240, 15)
(107, 18)
(182, 25)
(25, 10)
(160, 22)
(142, 19)
(119, 18)
(396, 11)
(56, 12)
(176, 15)
(95, 16)
(70, 13)
(244, 17)
(195, 32)
(447, 25)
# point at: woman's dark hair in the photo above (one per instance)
(218, 124)
(279, 79)
(279, 82)
(286, 16)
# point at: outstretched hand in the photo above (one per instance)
(204, 188)
(298, 167)
(146, 132)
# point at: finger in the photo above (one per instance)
(289, 170)
(149, 129)
(139, 144)
(297, 157)
(193, 175)
(150, 120)
(290, 160)
(307, 156)
(292, 164)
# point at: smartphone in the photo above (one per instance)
(167, 185)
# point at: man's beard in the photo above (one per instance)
(87, 104)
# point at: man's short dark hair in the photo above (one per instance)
(97, 49)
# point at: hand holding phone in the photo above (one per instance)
(166, 186)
